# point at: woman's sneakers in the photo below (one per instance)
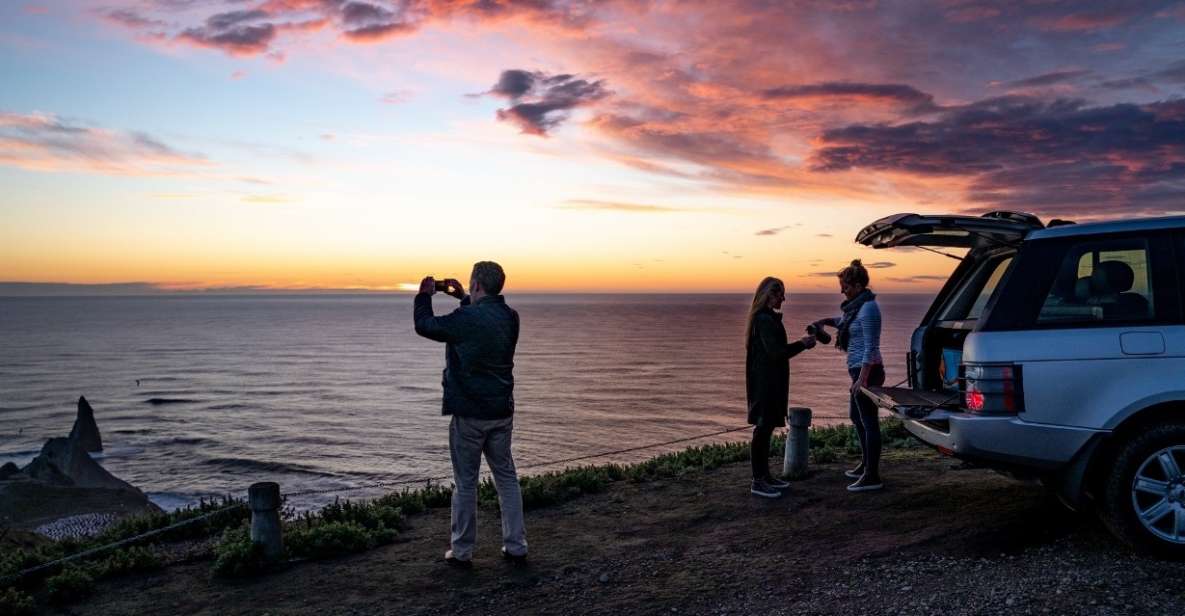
(866, 484)
(766, 488)
(855, 473)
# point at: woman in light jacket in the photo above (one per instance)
(767, 378)
(859, 335)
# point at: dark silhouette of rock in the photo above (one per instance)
(68, 457)
(8, 471)
(85, 430)
(44, 471)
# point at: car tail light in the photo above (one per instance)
(991, 389)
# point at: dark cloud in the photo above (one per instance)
(365, 22)
(131, 19)
(880, 264)
(541, 101)
(881, 92)
(1045, 80)
(233, 32)
(823, 235)
(1045, 156)
(773, 231)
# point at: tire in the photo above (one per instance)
(1148, 515)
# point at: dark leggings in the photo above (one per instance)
(759, 451)
(866, 418)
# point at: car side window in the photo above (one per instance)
(1101, 281)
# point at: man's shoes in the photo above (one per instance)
(453, 561)
(764, 490)
(865, 484)
(776, 484)
(517, 559)
(855, 473)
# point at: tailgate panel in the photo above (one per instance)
(908, 403)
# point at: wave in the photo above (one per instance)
(228, 407)
(163, 401)
(267, 467)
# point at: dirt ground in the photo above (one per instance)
(938, 539)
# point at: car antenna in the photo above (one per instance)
(939, 252)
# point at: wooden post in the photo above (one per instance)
(264, 499)
(798, 443)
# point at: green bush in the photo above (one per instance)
(129, 560)
(411, 502)
(236, 556)
(331, 539)
(72, 584)
(16, 603)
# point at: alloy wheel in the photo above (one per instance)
(1158, 494)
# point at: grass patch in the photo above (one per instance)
(16, 603)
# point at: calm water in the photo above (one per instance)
(326, 392)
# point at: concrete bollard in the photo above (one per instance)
(798, 442)
(264, 499)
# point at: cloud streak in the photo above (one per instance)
(45, 142)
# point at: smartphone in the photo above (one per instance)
(442, 286)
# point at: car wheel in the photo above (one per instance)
(1144, 494)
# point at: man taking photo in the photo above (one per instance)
(479, 339)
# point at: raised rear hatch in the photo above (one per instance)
(957, 231)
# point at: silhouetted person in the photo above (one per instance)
(480, 337)
(767, 378)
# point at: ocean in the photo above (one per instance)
(198, 396)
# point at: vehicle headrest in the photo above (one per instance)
(1082, 290)
(1112, 277)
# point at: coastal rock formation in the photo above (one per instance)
(69, 458)
(85, 430)
(63, 480)
(9, 470)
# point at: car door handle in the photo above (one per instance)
(1141, 343)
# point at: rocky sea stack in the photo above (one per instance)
(65, 481)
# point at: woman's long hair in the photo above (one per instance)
(768, 287)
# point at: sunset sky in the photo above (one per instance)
(612, 145)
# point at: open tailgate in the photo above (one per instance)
(956, 231)
(908, 403)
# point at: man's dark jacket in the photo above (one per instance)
(479, 341)
(767, 369)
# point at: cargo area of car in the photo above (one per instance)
(932, 391)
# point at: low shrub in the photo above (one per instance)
(331, 539)
(128, 560)
(72, 584)
(235, 555)
(16, 603)
(411, 502)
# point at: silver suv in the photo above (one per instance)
(1058, 353)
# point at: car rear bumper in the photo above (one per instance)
(1007, 440)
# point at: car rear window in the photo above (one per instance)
(969, 301)
(1100, 281)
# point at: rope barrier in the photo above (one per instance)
(111, 546)
(426, 480)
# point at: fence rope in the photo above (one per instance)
(382, 484)
(591, 456)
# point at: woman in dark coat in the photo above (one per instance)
(767, 378)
